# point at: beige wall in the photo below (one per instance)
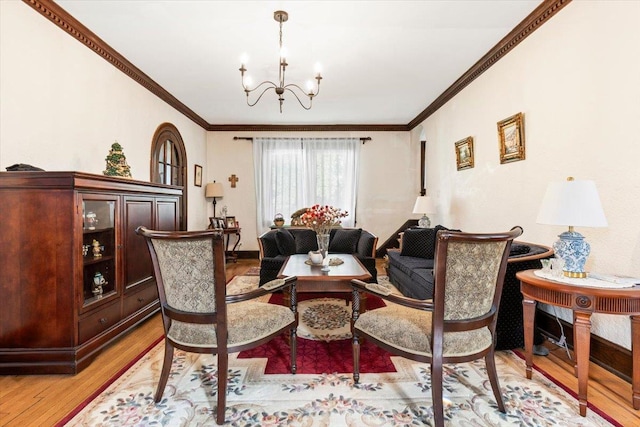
(62, 106)
(577, 82)
(388, 183)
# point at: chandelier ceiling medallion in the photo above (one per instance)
(281, 16)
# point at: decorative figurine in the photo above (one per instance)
(85, 250)
(96, 248)
(98, 281)
(117, 162)
(90, 220)
(278, 220)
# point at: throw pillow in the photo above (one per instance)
(285, 241)
(344, 241)
(419, 243)
(305, 241)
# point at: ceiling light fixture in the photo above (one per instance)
(280, 88)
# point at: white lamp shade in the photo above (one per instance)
(424, 205)
(213, 189)
(572, 203)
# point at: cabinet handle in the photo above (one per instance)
(103, 320)
(140, 299)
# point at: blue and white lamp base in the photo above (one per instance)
(574, 250)
(424, 222)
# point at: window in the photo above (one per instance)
(169, 162)
(294, 173)
(168, 156)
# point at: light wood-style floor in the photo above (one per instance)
(45, 399)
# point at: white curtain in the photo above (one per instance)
(293, 173)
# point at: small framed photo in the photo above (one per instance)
(464, 153)
(511, 136)
(217, 222)
(197, 176)
(231, 222)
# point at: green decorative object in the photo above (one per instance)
(117, 162)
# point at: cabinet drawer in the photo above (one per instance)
(99, 321)
(139, 299)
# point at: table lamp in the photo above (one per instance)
(572, 203)
(214, 190)
(424, 205)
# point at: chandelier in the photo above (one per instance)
(280, 88)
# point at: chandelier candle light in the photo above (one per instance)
(281, 16)
(572, 203)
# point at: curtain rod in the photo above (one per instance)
(249, 138)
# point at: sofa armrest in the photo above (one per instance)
(367, 244)
(267, 245)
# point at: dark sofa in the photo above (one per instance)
(276, 245)
(410, 269)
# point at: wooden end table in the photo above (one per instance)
(583, 300)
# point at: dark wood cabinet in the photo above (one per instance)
(73, 273)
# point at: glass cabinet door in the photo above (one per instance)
(99, 254)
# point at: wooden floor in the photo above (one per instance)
(45, 399)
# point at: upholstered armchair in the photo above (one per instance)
(198, 315)
(458, 325)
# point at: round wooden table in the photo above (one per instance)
(583, 300)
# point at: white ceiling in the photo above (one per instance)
(383, 62)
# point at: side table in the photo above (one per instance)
(228, 232)
(583, 300)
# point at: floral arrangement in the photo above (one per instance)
(322, 218)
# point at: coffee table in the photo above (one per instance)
(311, 278)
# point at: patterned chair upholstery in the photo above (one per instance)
(198, 315)
(458, 325)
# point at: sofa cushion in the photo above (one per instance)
(408, 264)
(344, 241)
(419, 242)
(285, 241)
(305, 241)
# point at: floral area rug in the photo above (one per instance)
(401, 398)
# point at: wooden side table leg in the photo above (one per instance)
(528, 314)
(635, 354)
(582, 344)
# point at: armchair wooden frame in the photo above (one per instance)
(217, 318)
(441, 322)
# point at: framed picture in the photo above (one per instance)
(231, 222)
(197, 176)
(511, 136)
(215, 222)
(464, 153)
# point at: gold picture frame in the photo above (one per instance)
(231, 222)
(511, 136)
(464, 153)
(197, 176)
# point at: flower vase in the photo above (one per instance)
(323, 248)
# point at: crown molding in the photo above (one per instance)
(308, 128)
(539, 16)
(56, 14)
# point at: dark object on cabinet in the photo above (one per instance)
(75, 276)
(23, 167)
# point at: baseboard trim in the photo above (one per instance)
(610, 356)
(248, 254)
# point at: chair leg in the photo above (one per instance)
(356, 357)
(490, 361)
(166, 369)
(294, 347)
(436, 393)
(223, 370)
